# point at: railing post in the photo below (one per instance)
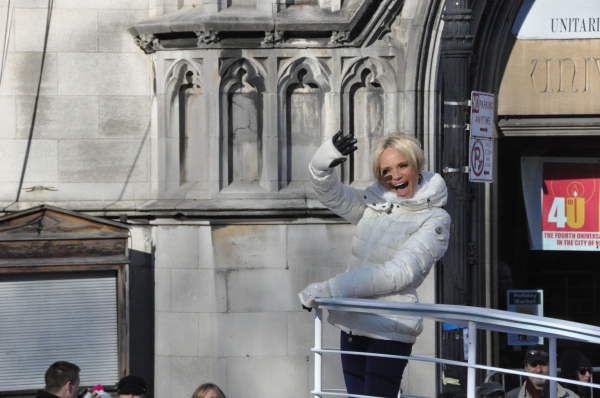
(472, 359)
(552, 346)
(318, 355)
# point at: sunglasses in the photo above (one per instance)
(583, 371)
(537, 352)
(535, 364)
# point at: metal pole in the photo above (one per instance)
(472, 359)
(552, 346)
(318, 355)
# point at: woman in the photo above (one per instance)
(401, 232)
(576, 366)
(208, 390)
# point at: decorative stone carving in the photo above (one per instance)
(272, 37)
(303, 95)
(241, 129)
(339, 37)
(207, 37)
(185, 140)
(147, 42)
(365, 86)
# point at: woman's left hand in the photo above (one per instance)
(312, 292)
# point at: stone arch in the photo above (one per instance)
(304, 93)
(241, 136)
(185, 144)
(368, 93)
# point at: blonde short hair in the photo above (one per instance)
(205, 388)
(408, 145)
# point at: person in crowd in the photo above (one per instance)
(131, 387)
(576, 366)
(208, 390)
(401, 232)
(62, 380)
(536, 362)
(491, 389)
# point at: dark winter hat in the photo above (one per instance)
(489, 388)
(132, 385)
(537, 352)
(573, 360)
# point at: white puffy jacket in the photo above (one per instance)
(397, 240)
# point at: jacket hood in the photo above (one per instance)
(431, 192)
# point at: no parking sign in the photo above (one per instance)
(481, 143)
(480, 159)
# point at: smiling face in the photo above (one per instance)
(397, 174)
(537, 367)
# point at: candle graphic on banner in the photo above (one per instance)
(575, 206)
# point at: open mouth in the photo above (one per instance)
(402, 185)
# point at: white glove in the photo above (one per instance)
(316, 290)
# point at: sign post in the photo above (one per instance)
(481, 143)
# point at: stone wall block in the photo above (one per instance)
(208, 335)
(104, 4)
(267, 377)
(103, 161)
(58, 117)
(162, 378)
(319, 245)
(22, 74)
(332, 374)
(70, 30)
(250, 246)
(205, 246)
(261, 290)
(253, 334)
(162, 289)
(142, 190)
(193, 290)
(124, 117)
(425, 344)
(177, 247)
(188, 373)
(176, 334)
(301, 333)
(221, 297)
(415, 380)
(103, 74)
(112, 28)
(41, 163)
(90, 192)
(8, 115)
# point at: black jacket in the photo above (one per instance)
(44, 394)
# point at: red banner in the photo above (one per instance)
(571, 206)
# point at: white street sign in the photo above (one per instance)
(482, 114)
(481, 159)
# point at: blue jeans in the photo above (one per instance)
(375, 376)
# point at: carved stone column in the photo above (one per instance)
(457, 47)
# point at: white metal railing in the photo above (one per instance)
(472, 317)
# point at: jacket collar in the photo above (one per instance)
(431, 192)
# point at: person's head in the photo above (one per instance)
(208, 390)
(491, 389)
(397, 162)
(536, 361)
(575, 366)
(62, 379)
(131, 387)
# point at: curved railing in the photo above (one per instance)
(473, 318)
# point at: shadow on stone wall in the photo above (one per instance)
(141, 317)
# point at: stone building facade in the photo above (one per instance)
(193, 122)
